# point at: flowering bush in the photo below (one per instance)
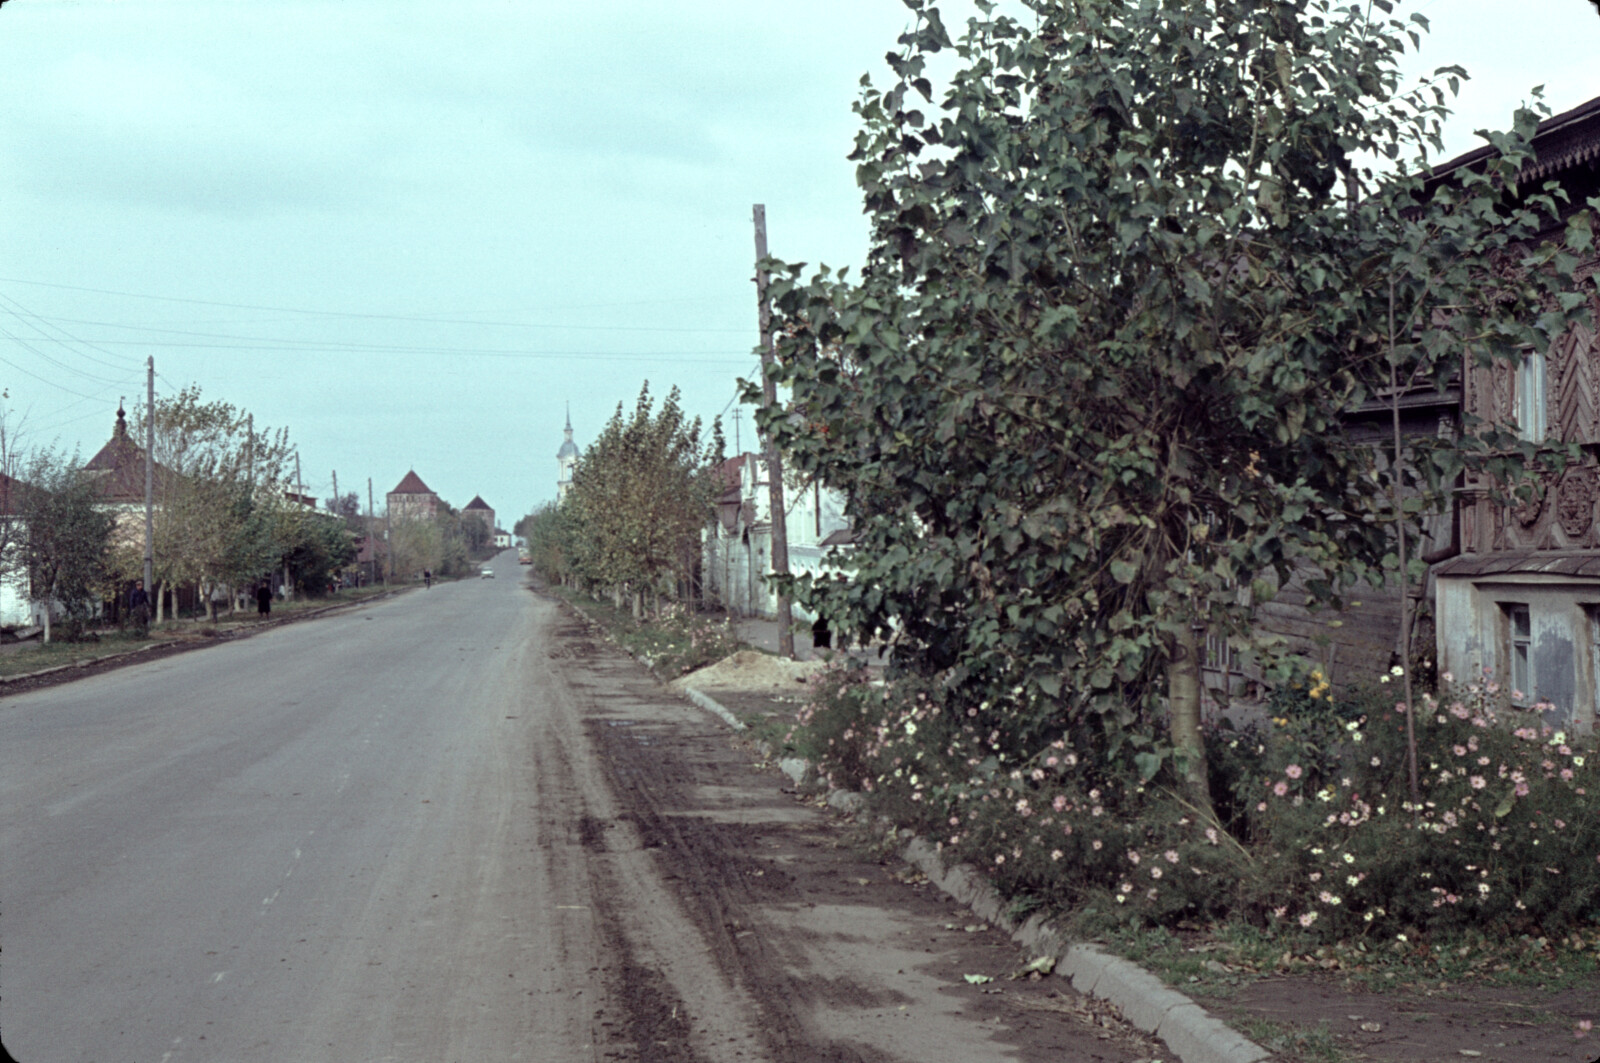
(1315, 828)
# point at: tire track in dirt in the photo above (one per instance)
(830, 959)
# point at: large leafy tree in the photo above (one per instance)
(220, 512)
(1127, 277)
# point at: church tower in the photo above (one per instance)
(566, 459)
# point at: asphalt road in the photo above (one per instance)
(458, 826)
(303, 845)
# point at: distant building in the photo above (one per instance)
(479, 510)
(412, 499)
(566, 461)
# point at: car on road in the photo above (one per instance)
(486, 573)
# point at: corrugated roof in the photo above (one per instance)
(1521, 563)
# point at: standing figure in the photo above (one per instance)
(139, 609)
(263, 600)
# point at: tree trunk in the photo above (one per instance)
(1183, 700)
(47, 621)
(161, 601)
(638, 605)
(211, 605)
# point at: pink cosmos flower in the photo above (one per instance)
(1293, 771)
(1478, 782)
(1281, 788)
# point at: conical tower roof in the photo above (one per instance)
(411, 484)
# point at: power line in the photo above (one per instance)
(370, 317)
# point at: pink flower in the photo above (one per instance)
(1059, 804)
(1459, 711)
(1293, 771)
(1281, 788)
(1478, 782)
(1171, 856)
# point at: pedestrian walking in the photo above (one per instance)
(139, 609)
(263, 600)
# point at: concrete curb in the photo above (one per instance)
(1145, 1001)
(710, 705)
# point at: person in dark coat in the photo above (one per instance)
(139, 609)
(263, 599)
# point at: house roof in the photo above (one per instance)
(1521, 563)
(1561, 142)
(117, 470)
(411, 484)
(478, 503)
(13, 495)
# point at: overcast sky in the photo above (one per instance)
(413, 232)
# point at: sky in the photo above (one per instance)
(415, 234)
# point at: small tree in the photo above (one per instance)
(65, 540)
(640, 496)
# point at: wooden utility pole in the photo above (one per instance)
(299, 493)
(150, 476)
(336, 500)
(769, 392)
(372, 544)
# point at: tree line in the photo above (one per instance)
(223, 517)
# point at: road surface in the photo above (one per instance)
(455, 825)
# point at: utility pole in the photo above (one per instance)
(372, 544)
(250, 453)
(336, 499)
(738, 447)
(150, 476)
(299, 494)
(769, 392)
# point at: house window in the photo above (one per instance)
(1531, 397)
(1519, 646)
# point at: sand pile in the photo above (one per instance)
(751, 670)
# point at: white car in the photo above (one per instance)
(487, 573)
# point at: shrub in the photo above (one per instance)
(1315, 830)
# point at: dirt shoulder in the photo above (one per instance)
(1307, 1015)
(837, 953)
